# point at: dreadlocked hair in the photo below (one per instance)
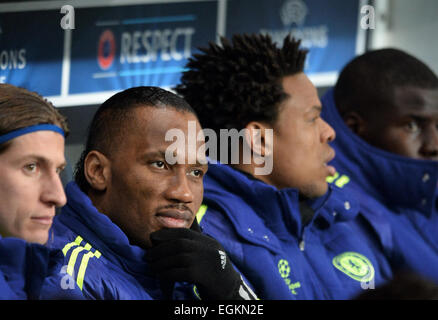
(233, 83)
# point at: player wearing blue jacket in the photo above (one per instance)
(128, 231)
(270, 207)
(387, 152)
(28, 270)
(280, 256)
(31, 157)
(99, 257)
(23, 269)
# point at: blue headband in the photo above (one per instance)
(40, 127)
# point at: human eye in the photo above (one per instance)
(59, 170)
(158, 164)
(412, 126)
(314, 119)
(197, 173)
(31, 168)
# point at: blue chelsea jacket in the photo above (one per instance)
(99, 257)
(397, 195)
(260, 228)
(26, 269)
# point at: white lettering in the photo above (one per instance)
(250, 309)
(67, 281)
(4, 60)
(368, 21)
(148, 45)
(165, 56)
(181, 310)
(248, 151)
(310, 36)
(22, 58)
(13, 59)
(136, 46)
(126, 44)
(68, 21)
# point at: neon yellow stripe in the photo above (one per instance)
(342, 181)
(67, 247)
(78, 240)
(72, 260)
(330, 179)
(201, 212)
(84, 262)
(195, 291)
(83, 268)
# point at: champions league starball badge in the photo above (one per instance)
(293, 12)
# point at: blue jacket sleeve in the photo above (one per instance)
(25, 268)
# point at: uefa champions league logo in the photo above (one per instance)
(293, 12)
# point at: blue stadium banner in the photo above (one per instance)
(31, 50)
(329, 29)
(114, 48)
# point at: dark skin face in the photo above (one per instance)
(408, 128)
(138, 189)
(301, 150)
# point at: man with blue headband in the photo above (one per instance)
(31, 157)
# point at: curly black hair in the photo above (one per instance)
(368, 81)
(233, 83)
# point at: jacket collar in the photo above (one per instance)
(83, 218)
(390, 178)
(278, 209)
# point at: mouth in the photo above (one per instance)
(331, 170)
(173, 218)
(44, 220)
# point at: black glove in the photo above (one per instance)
(186, 255)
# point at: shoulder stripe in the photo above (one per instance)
(67, 247)
(83, 268)
(74, 256)
(72, 260)
(201, 212)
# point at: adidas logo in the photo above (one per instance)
(223, 258)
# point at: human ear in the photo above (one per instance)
(258, 136)
(355, 122)
(97, 170)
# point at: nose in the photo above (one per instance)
(328, 134)
(179, 189)
(53, 192)
(429, 148)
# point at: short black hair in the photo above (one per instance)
(113, 117)
(369, 80)
(233, 83)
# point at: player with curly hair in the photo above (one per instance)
(286, 230)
